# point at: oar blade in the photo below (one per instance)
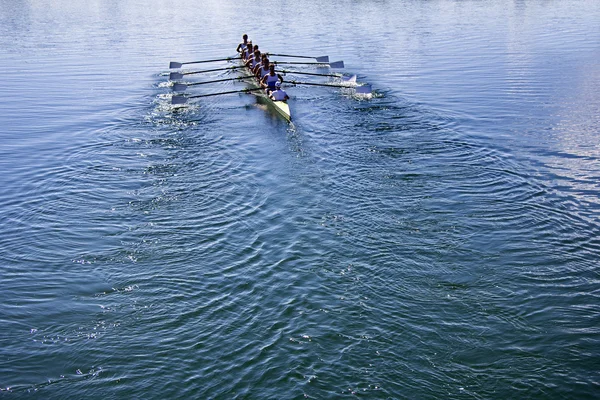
(323, 59)
(349, 79)
(180, 87)
(364, 89)
(175, 64)
(337, 64)
(173, 76)
(179, 100)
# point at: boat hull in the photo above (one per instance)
(281, 108)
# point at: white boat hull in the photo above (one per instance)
(280, 107)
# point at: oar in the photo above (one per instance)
(311, 73)
(337, 64)
(179, 75)
(359, 89)
(183, 99)
(175, 64)
(180, 87)
(323, 59)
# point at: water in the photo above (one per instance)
(439, 240)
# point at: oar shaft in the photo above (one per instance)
(336, 64)
(179, 75)
(299, 63)
(309, 73)
(239, 78)
(207, 61)
(287, 55)
(229, 92)
(181, 87)
(183, 99)
(175, 64)
(359, 89)
(214, 94)
(314, 84)
(211, 70)
(324, 59)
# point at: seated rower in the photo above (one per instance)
(257, 60)
(263, 69)
(279, 94)
(250, 52)
(268, 81)
(247, 51)
(242, 46)
(259, 65)
(253, 60)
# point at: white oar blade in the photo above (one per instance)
(349, 79)
(337, 64)
(173, 76)
(178, 100)
(179, 87)
(174, 64)
(365, 89)
(324, 59)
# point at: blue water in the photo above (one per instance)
(437, 240)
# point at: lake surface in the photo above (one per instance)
(440, 240)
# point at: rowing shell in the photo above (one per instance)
(280, 107)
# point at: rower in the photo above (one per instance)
(254, 60)
(242, 46)
(270, 80)
(279, 94)
(250, 59)
(263, 69)
(247, 51)
(256, 67)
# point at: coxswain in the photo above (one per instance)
(268, 81)
(242, 46)
(279, 94)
